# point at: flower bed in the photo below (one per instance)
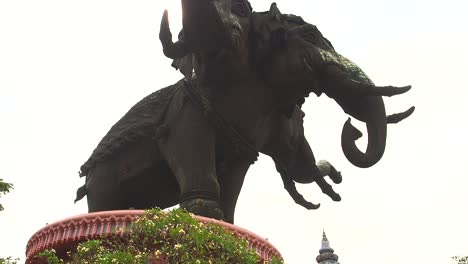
(154, 236)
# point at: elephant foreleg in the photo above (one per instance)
(300, 166)
(326, 169)
(189, 150)
(103, 190)
(231, 179)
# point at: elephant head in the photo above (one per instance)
(297, 59)
(293, 157)
(211, 25)
(213, 31)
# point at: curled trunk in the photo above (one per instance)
(373, 109)
(357, 95)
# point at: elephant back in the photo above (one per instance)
(142, 120)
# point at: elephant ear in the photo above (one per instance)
(343, 69)
(343, 79)
(338, 75)
(184, 65)
(332, 58)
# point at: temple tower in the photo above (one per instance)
(326, 252)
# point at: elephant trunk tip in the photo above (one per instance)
(373, 154)
(351, 131)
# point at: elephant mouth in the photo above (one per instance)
(308, 89)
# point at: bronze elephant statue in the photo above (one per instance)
(246, 76)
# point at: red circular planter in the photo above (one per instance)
(66, 234)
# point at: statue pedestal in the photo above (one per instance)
(65, 235)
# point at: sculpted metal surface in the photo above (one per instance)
(246, 76)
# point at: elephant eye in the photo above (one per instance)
(311, 38)
(240, 8)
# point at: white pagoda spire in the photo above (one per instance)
(326, 252)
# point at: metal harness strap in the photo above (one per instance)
(242, 147)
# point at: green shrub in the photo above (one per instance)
(5, 188)
(9, 260)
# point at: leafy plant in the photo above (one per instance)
(50, 256)
(176, 237)
(5, 188)
(461, 260)
(9, 260)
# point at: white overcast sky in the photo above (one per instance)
(70, 69)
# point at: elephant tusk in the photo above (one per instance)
(171, 50)
(395, 118)
(389, 90)
(165, 35)
(372, 90)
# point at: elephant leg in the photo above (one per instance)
(326, 169)
(327, 189)
(231, 180)
(189, 150)
(155, 186)
(136, 177)
(304, 169)
(103, 190)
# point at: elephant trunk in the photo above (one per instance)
(376, 122)
(204, 25)
(358, 96)
(373, 109)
